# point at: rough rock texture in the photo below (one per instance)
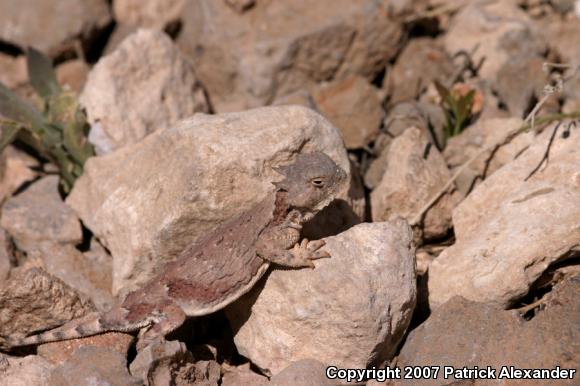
(6, 257)
(413, 175)
(147, 201)
(14, 170)
(39, 214)
(92, 365)
(51, 25)
(69, 265)
(34, 300)
(330, 40)
(31, 370)
(511, 228)
(145, 85)
(169, 363)
(464, 333)
(242, 375)
(148, 14)
(352, 310)
(473, 139)
(58, 352)
(400, 118)
(354, 106)
(305, 372)
(421, 62)
(520, 81)
(500, 30)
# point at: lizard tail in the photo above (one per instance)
(89, 325)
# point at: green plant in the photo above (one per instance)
(457, 107)
(57, 129)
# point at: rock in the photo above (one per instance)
(51, 26)
(69, 265)
(511, 227)
(146, 67)
(305, 372)
(475, 138)
(6, 256)
(415, 172)
(13, 71)
(15, 170)
(59, 352)
(156, 14)
(34, 300)
(242, 375)
(329, 41)
(519, 82)
(198, 174)
(400, 118)
(169, 363)
(351, 311)
(72, 74)
(92, 365)
(240, 5)
(499, 30)
(421, 62)
(462, 333)
(39, 214)
(31, 370)
(300, 97)
(353, 105)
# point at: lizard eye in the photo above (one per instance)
(318, 182)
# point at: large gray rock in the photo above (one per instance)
(513, 226)
(331, 39)
(147, 201)
(145, 85)
(38, 214)
(31, 370)
(352, 310)
(51, 25)
(463, 333)
(412, 176)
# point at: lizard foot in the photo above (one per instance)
(305, 252)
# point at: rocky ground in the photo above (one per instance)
(457, 117)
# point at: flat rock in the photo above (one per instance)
(51, 25)
(146, 67)
(465, 333)
(499, 30)
(242, 375)
(352, 310)
(34, 300)
(330, 40)
(70, 265)
(15, 170)
(354, 106)
(148, 201)
(305, 372)
(31, 370)
(39, 214)
(59, 352)
(92, 365)
(485, 132)
(169, 363)
(156, 14)
(412, 176)
(422, 61)
(513, 226)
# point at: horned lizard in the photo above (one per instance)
(225, 264)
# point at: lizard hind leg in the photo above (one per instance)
(301, 255)
(168, 320)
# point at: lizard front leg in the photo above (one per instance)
(170, 318)
(280, 244)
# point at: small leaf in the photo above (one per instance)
(15, 108)
(41, 73)
(8, 132)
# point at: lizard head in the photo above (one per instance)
(311, 182)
